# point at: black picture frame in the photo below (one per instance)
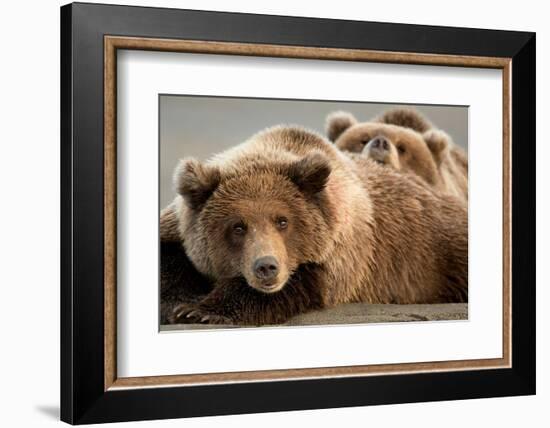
(83, 396)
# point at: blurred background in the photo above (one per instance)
(202, 126)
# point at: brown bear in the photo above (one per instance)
(410, 118)
(406, 141)
(285, 223)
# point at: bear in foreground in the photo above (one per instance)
(407, 142)
(286, 223)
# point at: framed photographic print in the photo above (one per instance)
(267, 213)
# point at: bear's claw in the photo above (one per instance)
(192, 314)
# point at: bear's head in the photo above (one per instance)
(259, 222)
(401, 147)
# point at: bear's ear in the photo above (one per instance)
(407, 118)
(195, 182)
(437, 141)
(311, 173)
(337, 123)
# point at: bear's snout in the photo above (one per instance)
(266, 268)
(379, 143)
(381, 150)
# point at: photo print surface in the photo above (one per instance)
(277, 212)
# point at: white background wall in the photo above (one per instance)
(29, 213)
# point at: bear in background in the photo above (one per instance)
(286, 223)
(412, 119)
(404, 140)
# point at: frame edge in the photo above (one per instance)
(66, 102)
(78, 405)
(113, 43)
(524, 215)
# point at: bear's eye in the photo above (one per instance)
(282, 223)
(239, 229)
(401, 149)
(365, 142)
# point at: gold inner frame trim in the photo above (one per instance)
(113, 43)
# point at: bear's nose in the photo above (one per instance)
(266, 268)
(379, 143)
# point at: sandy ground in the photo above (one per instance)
(361, 313)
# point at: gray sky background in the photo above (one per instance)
(202, 126)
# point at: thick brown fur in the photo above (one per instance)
(180, 281)
(233, 301)
(434, 226)
(341, 231)
(453, 161)
(413, 145)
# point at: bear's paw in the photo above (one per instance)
(197, 314)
